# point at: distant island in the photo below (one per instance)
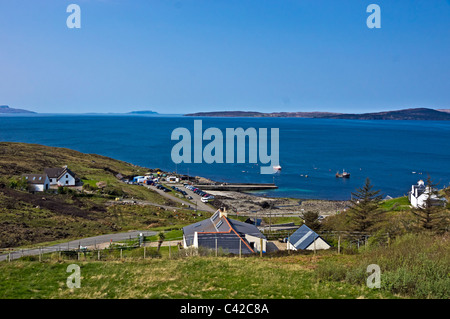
(259, 114)
(406, 114)
(5, 109)
(142, 112)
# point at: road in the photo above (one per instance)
(196, 198)
(75, 244)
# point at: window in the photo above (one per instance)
(213, 218)
(67, 176)
(67, 182)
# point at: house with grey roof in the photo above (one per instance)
(61, 176)
(305, 238)
(37, 182)
(221, 232)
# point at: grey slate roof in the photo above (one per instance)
(35, 179)
(228, 242)
(58, 172)
(229, 233)
(303, 237)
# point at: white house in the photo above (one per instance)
(61, 176)
(419, 195)
(37, 182)
(306, 239)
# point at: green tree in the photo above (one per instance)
(365, 208)
(433, 214)
(311, 220)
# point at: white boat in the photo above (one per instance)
(277, 167)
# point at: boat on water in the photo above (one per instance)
(277, 167)
(343, 175)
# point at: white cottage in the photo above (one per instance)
(305, 238)
(37, 182)
(61, 176)
(419, 194)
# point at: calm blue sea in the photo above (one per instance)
(388, 152)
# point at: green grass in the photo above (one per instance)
(192, 277)
(396, 204)
(30, 219)
(415, 265)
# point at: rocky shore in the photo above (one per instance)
(249, 204)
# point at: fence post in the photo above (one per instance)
(240, 248)
(170, 255)
(98, 254)
(314, 245)
(121, 253)
(145, 250)
(40, 254)
(339, 244)
(260, 247)
(216, 247)
(9, 257)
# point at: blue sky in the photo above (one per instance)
(185, 56)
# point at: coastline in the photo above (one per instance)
(252, 204)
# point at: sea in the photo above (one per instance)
(393, 154)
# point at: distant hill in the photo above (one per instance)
(142, 112)
(407, 114)
(260, 114)
(7, 109)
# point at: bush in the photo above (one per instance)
(415, 265)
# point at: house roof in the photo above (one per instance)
(228, 232)
(229, 242)
(58, 172)
(35, 179)
(303, 237)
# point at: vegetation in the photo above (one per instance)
(29, 219)
(365, 211)
(414, 265)
(192, 277)
(432, 216)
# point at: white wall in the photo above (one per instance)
(320, 244)
(257, 243)
(66, 177)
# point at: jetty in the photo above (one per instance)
(239, 187)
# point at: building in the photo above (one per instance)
(61, 176)
(37, 182)
(419, 194)
(306, 239)
(172, 179)
(221, 232)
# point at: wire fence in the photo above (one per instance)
(95, 249)
(145, 246)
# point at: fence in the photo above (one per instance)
(130, 246)
(337, 239)
(95, 249)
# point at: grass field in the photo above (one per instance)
(192, 278)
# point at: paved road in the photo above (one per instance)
(196, 198)
(75, 244)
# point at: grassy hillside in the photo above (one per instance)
(192, 277)
(35, 218)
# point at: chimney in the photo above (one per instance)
(223, 212)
